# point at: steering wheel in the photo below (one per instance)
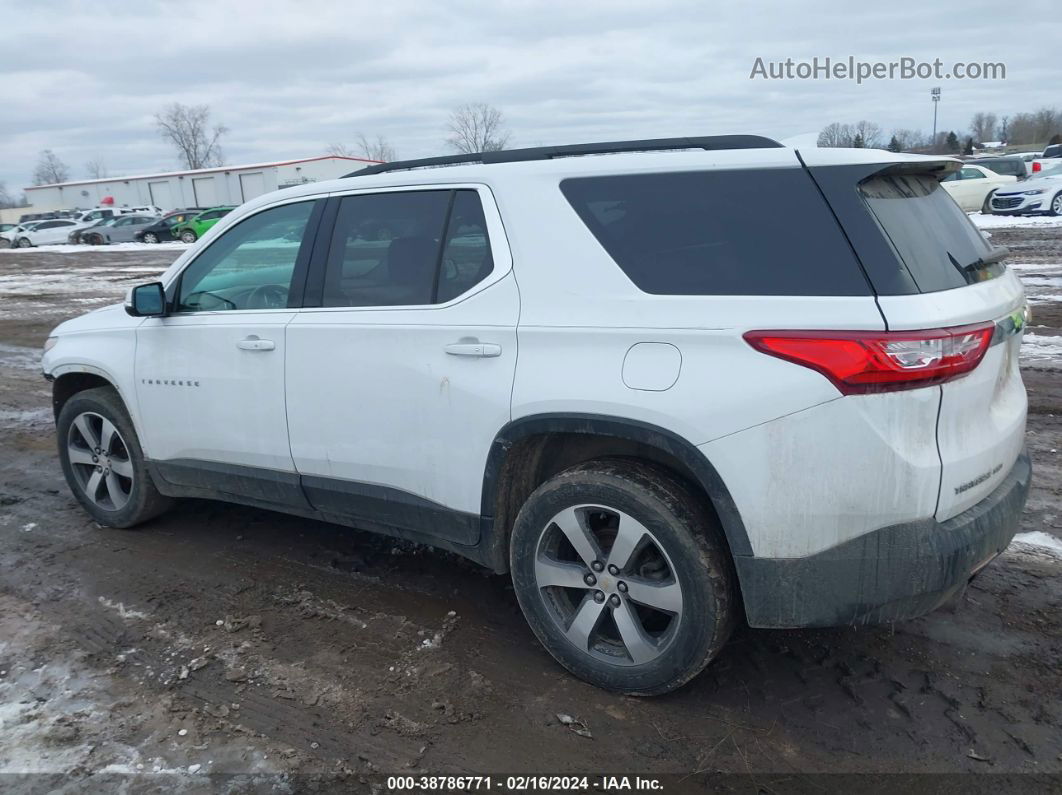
(268, 296)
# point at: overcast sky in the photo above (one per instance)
(85, 79)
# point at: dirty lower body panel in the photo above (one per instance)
(894, 573)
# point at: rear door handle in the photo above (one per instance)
(253, 343)
(480, 349)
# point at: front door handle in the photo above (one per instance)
(480, 349)
(253, 343)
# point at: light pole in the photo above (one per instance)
(935, 94)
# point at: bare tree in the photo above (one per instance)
(836, 134)
(188, 128)
(96, 168)
(50, 169)
(379, 149)
(908, 139)
(983, 127)
(477, 128)
(869, 133)
(8, 200)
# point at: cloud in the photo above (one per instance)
(288, 78)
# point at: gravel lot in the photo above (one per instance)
(222, 639)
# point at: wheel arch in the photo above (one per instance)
(68, 384)
(531, 449)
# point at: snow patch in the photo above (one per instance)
(1040, 542)
(982, 221)
(86, 249)
(122, 610)
(26, 417)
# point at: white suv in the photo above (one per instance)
(603, 368)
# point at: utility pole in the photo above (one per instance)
(935, 94)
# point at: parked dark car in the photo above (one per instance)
(1010, 166)
(163, 229)
(77, 235)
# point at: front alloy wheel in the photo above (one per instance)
(103, 462)
(151, 237)
(100, 461)
(1056, 204)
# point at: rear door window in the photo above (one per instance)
(749, 232)
(939, 245)
(407, 248)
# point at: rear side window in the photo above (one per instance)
(406, 248)
(757, 232)
(934, 238)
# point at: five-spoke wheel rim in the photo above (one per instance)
(100, 461)
(608, 584)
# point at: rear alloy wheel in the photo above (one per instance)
(150, 237)
(1056, 204)
(621, 573)
(102, 460)
(188, 236)
(24, 242)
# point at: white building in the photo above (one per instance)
(204, 187)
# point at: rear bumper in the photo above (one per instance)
(891, 574)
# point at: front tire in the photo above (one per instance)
(986, 207)
(103, 462)
(622, 574)
(1056, 205)
(188, 236)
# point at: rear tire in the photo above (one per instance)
(188, 236)
(655, 601)
(103, 462)
(151, 237)
(24, 242)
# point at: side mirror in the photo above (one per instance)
(146, 300)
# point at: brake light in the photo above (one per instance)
(862, 362)
(1037, 166)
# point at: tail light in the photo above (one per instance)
(862, 362)
(1037, 166)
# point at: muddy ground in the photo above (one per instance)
(222, 639)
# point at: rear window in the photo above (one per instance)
(760, 232)
(939, 245)
(1010, 168)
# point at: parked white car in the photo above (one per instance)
(804, 418)
(99, 213)
(1040, 194)
(972, 186)
(8, 236)
(148, 210)
(43, 233)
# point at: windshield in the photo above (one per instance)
(939, 245)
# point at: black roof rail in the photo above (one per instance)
(707, 142)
